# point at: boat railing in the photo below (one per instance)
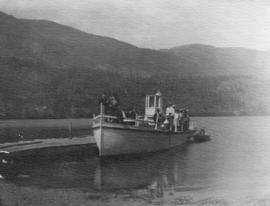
(139, 120)
(105, 118)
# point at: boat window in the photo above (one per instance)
(151, 101)
(157, 101)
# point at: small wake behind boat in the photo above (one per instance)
(145, 135)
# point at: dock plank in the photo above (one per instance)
(46, 143)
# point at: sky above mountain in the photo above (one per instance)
(158, 23)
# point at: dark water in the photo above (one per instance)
(238, 156)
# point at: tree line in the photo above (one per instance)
(36, 91)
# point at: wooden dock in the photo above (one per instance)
(50, 146)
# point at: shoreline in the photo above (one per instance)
(12, 194)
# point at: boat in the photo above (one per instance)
(201, 136)
(143, 136)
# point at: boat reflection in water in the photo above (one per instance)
(152, 171)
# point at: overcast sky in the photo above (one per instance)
(158, 23)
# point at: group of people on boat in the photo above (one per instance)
(111, 106)
(173, 119)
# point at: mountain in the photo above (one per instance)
(62, 46)
(207, 60)
(50, 70)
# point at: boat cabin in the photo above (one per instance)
(152, 103)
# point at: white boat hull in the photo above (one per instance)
(116, 140)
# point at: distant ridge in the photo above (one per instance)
(62, 46)
(208, 60)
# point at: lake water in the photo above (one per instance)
(17, 130)
(231, 169)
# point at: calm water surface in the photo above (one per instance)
(17, 130)
(237, 158)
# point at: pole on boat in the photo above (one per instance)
(101, 113)
(157, 118)
(136, 120)
(101, 109)
(70, 129)
(101, 128)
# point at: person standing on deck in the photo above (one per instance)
(157, 118)
(176, 120)
(185, 120)
(181, 116)
(132, 113)
(170, 111)
(114, 105)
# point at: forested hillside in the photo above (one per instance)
(54, 71)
